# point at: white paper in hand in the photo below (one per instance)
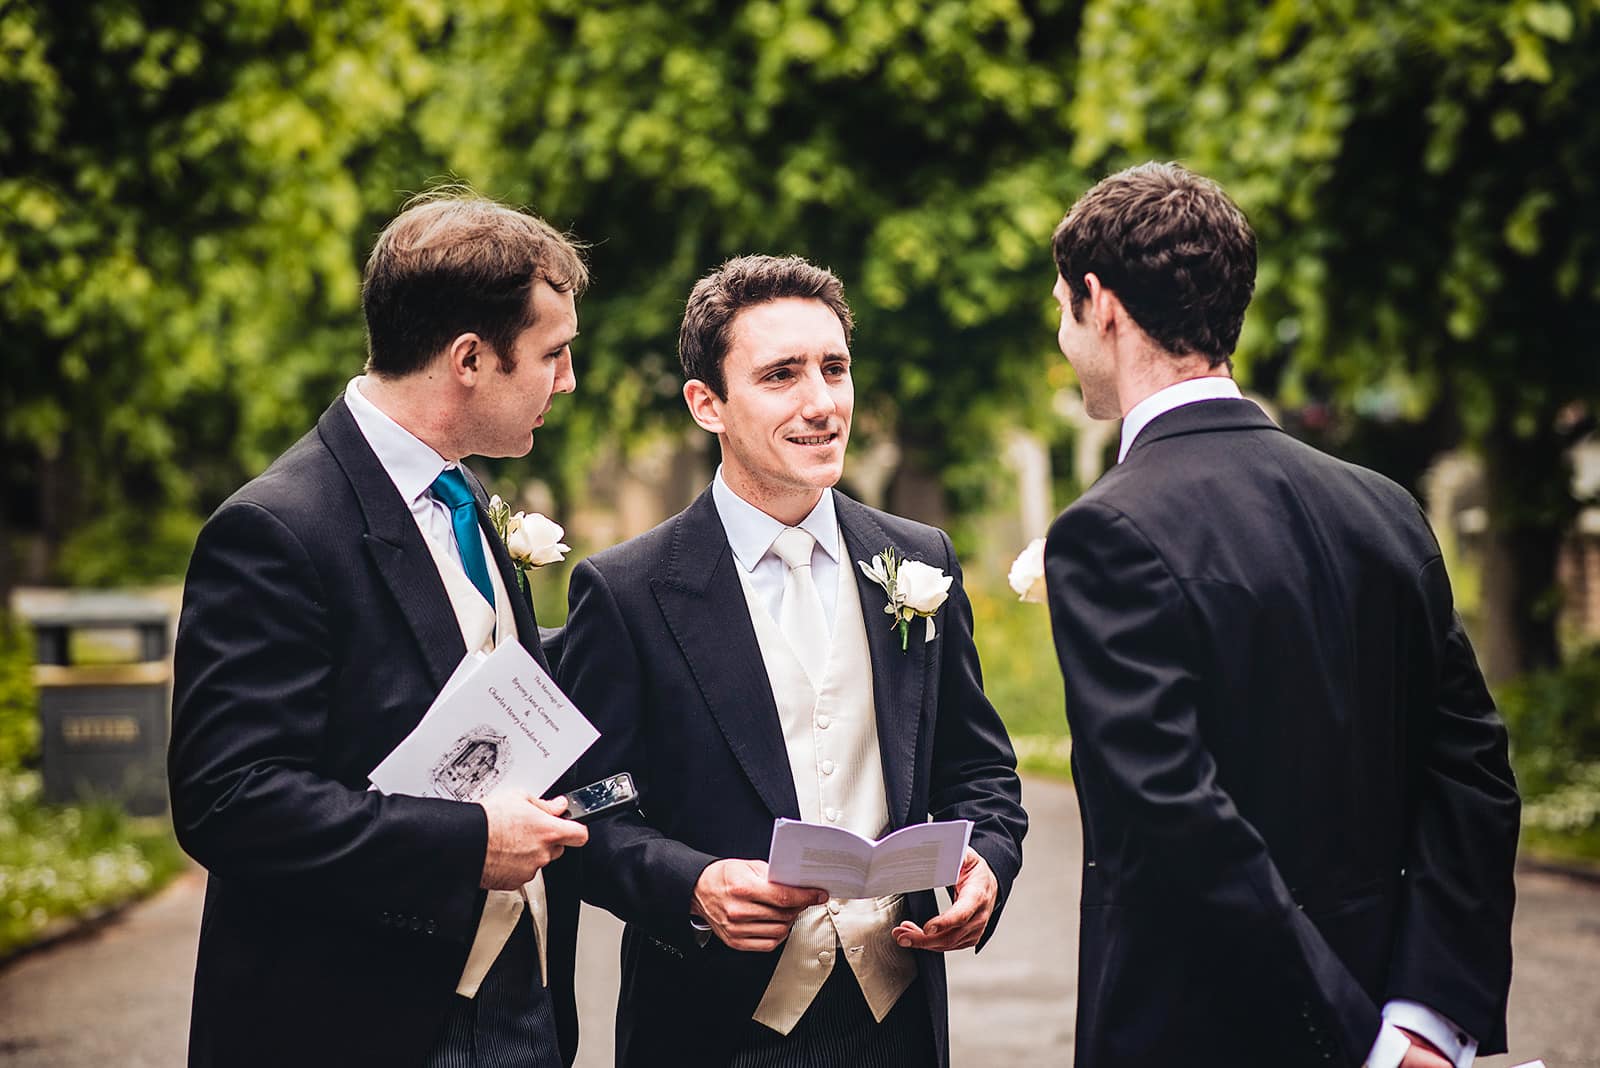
(499, 721)
(846, 865)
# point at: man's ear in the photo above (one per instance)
(1104, 308)
(466, 357)
(705, 407)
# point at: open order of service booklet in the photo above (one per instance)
(499, 721)
(847, 865)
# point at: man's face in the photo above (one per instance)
(786, 418)
(508, 406)
(1085, 349)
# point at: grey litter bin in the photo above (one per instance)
(104, 674)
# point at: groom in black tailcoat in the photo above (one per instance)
(1299, 818)
(740, 664)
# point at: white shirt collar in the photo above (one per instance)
(411, 463)
(751, 531)
(1162, 401)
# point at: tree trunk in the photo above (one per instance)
(1528, 484)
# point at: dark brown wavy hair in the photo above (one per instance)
(453, 263)
(1173, 247)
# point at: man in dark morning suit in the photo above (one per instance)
(326, 603)
(740, 665)
(1298, 815)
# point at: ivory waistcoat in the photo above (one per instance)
(482, 630)
(832, 741)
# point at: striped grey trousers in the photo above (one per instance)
(510, 1024)
(838, 1031)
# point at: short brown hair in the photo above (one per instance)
(452, 263)
(743, 283)
(1177, 252)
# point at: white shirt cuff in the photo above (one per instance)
(702, 931)
(1458, 1047)
(1389, 1047)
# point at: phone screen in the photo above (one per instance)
(607, 793)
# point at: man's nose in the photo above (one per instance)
(818, 400)
(566, 377)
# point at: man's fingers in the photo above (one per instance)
(761, 912)
(555, 805)
(793, 897)
(938, 939)
(962, 909)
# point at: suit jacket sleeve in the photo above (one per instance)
(1122, 628)
(630, 868)
(974, 772)
(255, 670)
(1453, 950)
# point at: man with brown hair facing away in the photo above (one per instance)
(1299, 819)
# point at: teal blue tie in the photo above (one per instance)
(451, 488)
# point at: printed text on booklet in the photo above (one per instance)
(499, 721)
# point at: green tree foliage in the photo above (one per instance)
(19, 701)
(1423, 178)
(187, 192)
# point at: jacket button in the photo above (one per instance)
(431, 928)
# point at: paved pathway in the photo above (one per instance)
(121, 995)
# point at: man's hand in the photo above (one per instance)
(525, 834)
(964, 924)
(1422, 1054)
(745, 910)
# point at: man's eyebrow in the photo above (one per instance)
(781, 361)
(795, 359)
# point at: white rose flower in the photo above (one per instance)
(1027, 573)
(535, 539)
(921, 588)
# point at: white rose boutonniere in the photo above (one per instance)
(1027, 573)
(531, 540)
(914, 589)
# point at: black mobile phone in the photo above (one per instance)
(587, 802)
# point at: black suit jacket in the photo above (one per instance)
(661, 653)
(1295, 791)
(315, 632)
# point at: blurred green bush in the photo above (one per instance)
(1020, 674)
(1554, 721)
(60, 862)
(19, 719)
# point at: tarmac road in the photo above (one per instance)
(120, 995)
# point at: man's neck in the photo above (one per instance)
(1156, 369)
(403, 400)
(787, 508)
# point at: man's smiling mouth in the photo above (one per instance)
(815, 439)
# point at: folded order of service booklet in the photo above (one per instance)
(499, 721)
(846, 865)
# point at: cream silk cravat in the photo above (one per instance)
(800, 617)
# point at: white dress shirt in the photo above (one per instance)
(411, 465)
(1176, 395)
(751, 533)
(1391, 1045)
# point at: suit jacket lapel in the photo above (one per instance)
(521, 603)
(396, 547)
(897, 676)
(705, 611)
